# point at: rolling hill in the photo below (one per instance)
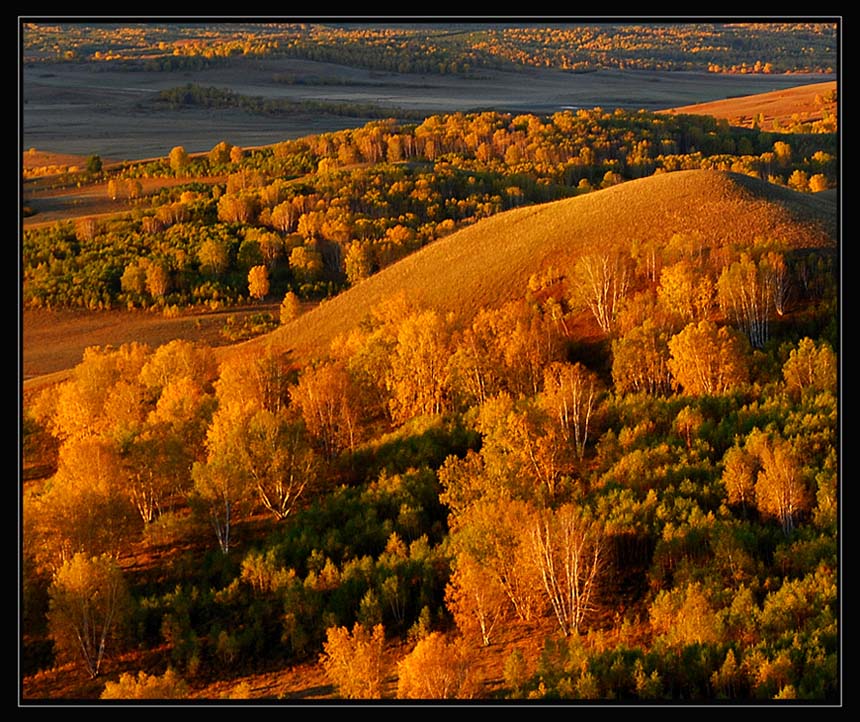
(485, 264)
(490, 263)
(804, 102)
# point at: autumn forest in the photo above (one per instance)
(513, 407)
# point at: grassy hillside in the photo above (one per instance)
(777, 109)
(490, 263)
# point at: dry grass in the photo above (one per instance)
(490, 263)
(54, 341)
(777, 105)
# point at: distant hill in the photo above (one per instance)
(804, 103)
(490, 263)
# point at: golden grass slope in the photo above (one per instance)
(490, 263)
(804, 102)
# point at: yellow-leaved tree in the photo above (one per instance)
(146, 686)
(85, 507)
(811, 366)
(706, 359)
(568, 548)
(436, 669)
(682, 617)
(419, 377)
(89, 603)
(600, 282)
(782, 484)
(354, 661)
(327, 399)
(222, 489)
(258, 282)
(570, 394)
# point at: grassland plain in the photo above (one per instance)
(804, 103)
(73, 108)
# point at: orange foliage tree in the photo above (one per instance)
(89, 602)
(569, 550)
(570, 394)
(436, 669)
(781, 488)
(419, 375)
(328, 402)
(600, 282)
(354, 660)
(706, 359)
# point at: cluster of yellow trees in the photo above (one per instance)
(435, 49)
(147, 436)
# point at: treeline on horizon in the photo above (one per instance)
(458, 48)
(212, 97)
(324, 212)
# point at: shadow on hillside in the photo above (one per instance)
(323, 690)
(423, 441)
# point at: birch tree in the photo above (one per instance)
(327, 400)
(419, 376)
(570, 395)
(568, 549)
(811, 366)
(747, 291)
(781, 487)
(477, 600)
(278, 460)
(221, 487)
(354, 661)
(258, 282)
(640, 360)
(707, 360)
(600, 281)
(89, 602)
(436, 669)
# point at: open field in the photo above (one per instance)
(80, 110)
(55, 340)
